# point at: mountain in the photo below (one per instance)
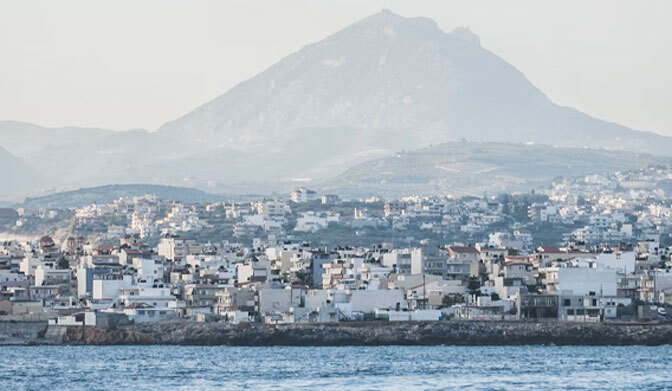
(469, 168)
(74, 156)
(24, 138)
(17, 176)
(383, 84)
(106, 194)
(387, 83)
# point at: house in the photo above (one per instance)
(85, 276)
(10, 279)
(107, 287)
(483, 308)
(579, 308)
(394, 208)
(79, 318)
(149, 270)
(463, 254)
(330, 199)
(536, 306)
(47, 274)
(509, 287)
(201, 295)
(544, 255)
(523, 270)
(277, 301)
(301, 194)
(574, 280)
(491, 253)
(91, 318)
(176, 248)
(665, 296)
(541, 212)
(144, 313)
(252, 272)
(406, 261)
(447, 268)
(231, 299)
(156, 297)
(367, 301)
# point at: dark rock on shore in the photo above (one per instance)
(375, 333)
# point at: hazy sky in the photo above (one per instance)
(137, 64)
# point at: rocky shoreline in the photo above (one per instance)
(465, 333)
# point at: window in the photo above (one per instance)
(568, 302)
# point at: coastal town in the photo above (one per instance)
(591, 249)
(335, 195)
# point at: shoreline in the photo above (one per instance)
(454, 332)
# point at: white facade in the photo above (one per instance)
(109, 289)
(581, 280)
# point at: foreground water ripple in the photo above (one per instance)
(335, 368)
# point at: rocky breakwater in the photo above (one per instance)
(375, 333)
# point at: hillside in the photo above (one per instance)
(467, 168)
(16, 175)
(105, 194)
(380, 85)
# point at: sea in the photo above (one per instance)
(335, 368)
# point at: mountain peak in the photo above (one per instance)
(465, 34)
(384, 83)
(388, 19)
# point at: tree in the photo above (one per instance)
(473, 286)
(451, 299)
(305, 277)
(63, 263)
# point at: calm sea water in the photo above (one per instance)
(329, 368)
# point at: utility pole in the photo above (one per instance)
(424, 293)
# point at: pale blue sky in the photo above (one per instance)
(137, 64)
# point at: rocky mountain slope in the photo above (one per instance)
(383, 84)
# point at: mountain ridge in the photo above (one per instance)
(382, 84)
(313, 91)
(471, 168)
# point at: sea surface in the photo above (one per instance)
(335, 368)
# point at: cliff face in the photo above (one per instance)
(420, 333)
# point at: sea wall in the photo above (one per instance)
(27, 330)
(375, 333)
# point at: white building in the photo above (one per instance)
(584, 281)
(301, 194)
